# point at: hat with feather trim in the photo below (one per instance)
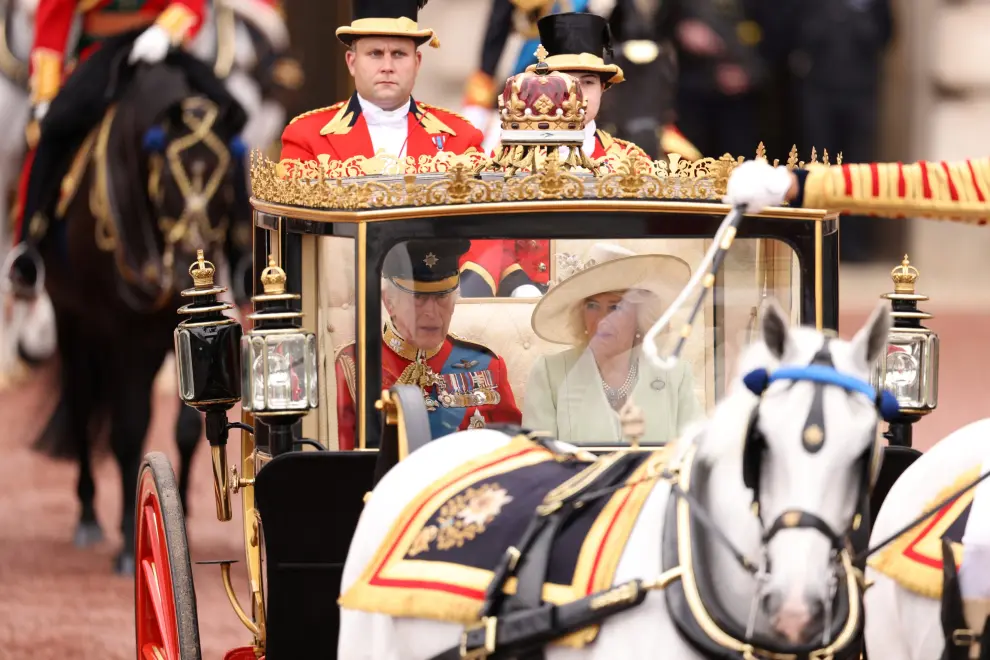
(577, 42)
(387, 18)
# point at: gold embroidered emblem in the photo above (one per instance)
(543, 105)
(462, 518)
(430, 260)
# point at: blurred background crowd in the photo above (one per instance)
(873, 79)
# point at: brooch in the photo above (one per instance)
(658, 384)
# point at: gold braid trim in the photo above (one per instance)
(825, 188)
(46, 75)
(350, 369)
(177, 20)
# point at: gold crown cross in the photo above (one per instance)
(904, 276)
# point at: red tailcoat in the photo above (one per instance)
(341, 132)
(507, 264)
(472, 373)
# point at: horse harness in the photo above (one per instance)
(519, 625)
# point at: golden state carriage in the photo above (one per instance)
(324, 231)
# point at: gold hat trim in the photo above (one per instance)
(571, 62)
(387, 27)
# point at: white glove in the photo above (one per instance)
(526, 291)
(39, 111)
(758, 184)
(151, 46)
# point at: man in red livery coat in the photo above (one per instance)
(465, 384)
(576, 43)
(381, 115)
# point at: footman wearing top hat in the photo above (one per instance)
(576, 43)
(381, 115)
(465, 384)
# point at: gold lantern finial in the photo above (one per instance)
(904, 276)
(273, 277)
(202, 272)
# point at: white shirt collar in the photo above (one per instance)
(589, 138)
(378, 117)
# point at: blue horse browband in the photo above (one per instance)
(759, 379)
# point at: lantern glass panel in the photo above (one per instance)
(183, 361)
(909, 369)
(286, 377)
(259, 371)
(247, 393)
(311, 378)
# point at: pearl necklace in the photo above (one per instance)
(617, 397)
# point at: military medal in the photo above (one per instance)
(439, 140)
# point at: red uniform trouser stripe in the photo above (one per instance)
(22, 186)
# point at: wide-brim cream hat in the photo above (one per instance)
(608, 268)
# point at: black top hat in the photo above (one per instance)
(426, 265)
(578, 41)
(574, 33)
(387, 18)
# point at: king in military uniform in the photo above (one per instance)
(465, 384)
(576, 43)
(381, 115)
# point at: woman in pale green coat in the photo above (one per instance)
(602, 312)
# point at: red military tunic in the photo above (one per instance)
(957, 190)
(100, 19)
(471, 385)
(341, 132)
(507, 264)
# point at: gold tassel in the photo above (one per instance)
(434, 41)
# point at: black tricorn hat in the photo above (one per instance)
(387, 18)
(578, 42)
(426, 265)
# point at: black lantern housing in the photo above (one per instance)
(208, 362)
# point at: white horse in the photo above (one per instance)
(790, 602)
(904, 624)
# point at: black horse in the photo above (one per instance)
(156, 178)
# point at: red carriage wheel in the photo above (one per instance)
(164, 600)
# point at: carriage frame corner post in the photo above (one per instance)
(909, 366)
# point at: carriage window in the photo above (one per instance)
(338, 325)
(547, 333)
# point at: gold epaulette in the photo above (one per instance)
(471, 342)
(335, 106)
(441, 127)
(350, 369)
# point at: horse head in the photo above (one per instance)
(809, 456)
(179, 152)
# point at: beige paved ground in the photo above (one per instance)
(60, 602)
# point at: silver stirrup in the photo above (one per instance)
(8, 264)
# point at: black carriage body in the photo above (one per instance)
(309, 502)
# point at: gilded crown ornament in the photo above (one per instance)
(202, 272)
(273, 278)
(904, 276)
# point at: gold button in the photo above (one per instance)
(542, 267)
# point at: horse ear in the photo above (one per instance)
(871, 340)
(774, 327)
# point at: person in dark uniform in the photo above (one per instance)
(465, 384)
(721, 75)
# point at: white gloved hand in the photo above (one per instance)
(39, 111)
(757, 184)
(37, 335)
(526, 291)
(151, 46)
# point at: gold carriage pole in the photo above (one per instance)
(909, 367)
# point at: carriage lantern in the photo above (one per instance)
(208, 364)
(910, 368)
(279, 384)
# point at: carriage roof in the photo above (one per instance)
(364, 189)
